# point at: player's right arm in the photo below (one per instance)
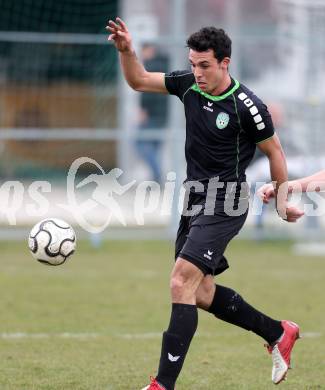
(134, 72)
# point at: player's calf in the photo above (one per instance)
(205, 293)
(229, 306)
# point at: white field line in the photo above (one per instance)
(154, 335)
(311, 335)
(140, 336)
(66, 335)
(72, 335)
(126, 336)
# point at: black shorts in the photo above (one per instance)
(203, 239)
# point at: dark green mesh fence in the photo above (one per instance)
(57, 71)
(37, 62)
(77, 16)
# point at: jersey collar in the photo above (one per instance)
(196, 88)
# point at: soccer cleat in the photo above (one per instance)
(281, 351)
(154, 385)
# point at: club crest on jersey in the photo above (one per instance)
(222, 120)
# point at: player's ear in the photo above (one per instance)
(225, 63)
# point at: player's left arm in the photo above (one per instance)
(278, 168)
(257, 123)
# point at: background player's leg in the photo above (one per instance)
(229, 306)
(185, 280)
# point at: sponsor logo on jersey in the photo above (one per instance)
(208, 108)
(222, 120)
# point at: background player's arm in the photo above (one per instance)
(279, 174)
(315, 182)
(134, 72)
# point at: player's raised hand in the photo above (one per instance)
(120, 35)
(266, 192)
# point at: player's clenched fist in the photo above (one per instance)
(287, 212)
(120, 35)
(293, 214)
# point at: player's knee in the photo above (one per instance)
(182, 290)
(185, 280)
(177, 286)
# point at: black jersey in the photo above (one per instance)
(221, 131)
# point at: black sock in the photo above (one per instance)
(229, 306)
(176, 342)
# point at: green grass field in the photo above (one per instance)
(95, 323)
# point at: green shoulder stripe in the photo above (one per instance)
(196, 88)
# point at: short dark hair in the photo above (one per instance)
(211, 38)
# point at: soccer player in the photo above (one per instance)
(224, 123)
(315, 182)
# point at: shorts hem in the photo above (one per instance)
(202, 267)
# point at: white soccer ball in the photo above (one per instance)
(52, 241)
